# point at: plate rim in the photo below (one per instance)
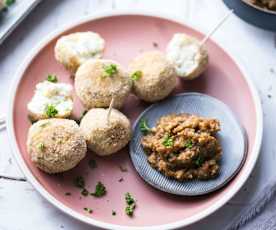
(187, 194)
(88, 220)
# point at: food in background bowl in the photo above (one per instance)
(98, 81)
(74, 49)
(267, 4)
(153, 76)
(105, 135)
(184, 146)
(56, 145)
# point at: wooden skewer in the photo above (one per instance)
(220, 23)
(109, 110)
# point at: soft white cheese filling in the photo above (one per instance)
(183, 51)
(48, 93)
(84, 45)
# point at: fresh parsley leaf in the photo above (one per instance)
(41, 146)
(189, 144)
(136, 75)
(168, 141)
(51, 111)
(131, 204)
(52, 78)
(79, 182)
(110, 70)
(143, 125)
(199, 161)
(100, 190)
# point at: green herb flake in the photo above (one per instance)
(41, 146)
(189, 144)
(114, 213)
(136, 75)
(79, 182)
(110, 70)
(89, 210)
(52, 78)
(131, 204)
(100, 190)
(84, 192)
(92, 164)
(51, 111)
(9, 2)
(144, 128)
(199, 161)
(168, 141)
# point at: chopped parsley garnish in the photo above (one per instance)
(143, 125)
(110, 70)
(131, 204)
(89, 210)
(79, 182)
(52, 78)
(122, 168)
(188, 144)
(100, 190)
(113, 213)
(51, 111)
(136, 75)
(168, 141)
(41, 146)
(199, 161)
(67, 194)
(121, 179)
(92, 163)
(84, 192)
(9, 2)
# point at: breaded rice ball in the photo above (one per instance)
(74, 49)
(153, 76)
(189, 57)
(56, 145)
(103, 137)
(97, 81)
(51, 100)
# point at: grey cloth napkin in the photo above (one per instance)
(261, 214)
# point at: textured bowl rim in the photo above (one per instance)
(31, 178)
(263, 10)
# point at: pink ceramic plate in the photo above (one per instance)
(127, 34)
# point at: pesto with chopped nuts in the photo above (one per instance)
(136, 75)
(130, 204)
(79, 182)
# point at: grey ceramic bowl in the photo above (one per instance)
(232, 138)
(265, 19)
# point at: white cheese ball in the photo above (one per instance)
(47, 94)
(157, 76)
(95, 87)
(103, 137)
(74, 49)
(56, 145)
(190, 59)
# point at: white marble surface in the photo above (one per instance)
(21, 207)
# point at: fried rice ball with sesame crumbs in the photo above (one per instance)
(56, 145)
(105, 137)
(157, 76)
(97, 81)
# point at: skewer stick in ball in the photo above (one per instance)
(188, 54)
(109, 110)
